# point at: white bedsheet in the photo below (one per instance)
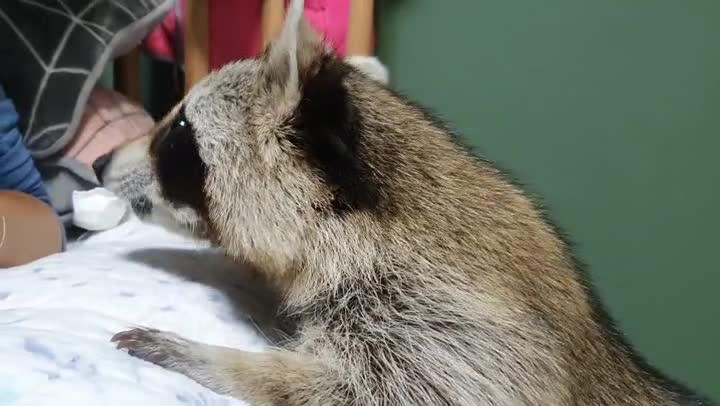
(57, 316)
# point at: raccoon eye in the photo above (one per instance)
(180, 122)
(178, 125)
(179, 168)
(168, 136)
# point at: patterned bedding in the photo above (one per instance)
(58, 314)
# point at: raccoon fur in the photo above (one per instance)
(416, 273)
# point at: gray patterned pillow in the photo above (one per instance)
(52, 53)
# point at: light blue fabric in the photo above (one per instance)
(17, 168)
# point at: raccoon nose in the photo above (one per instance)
(141, 205)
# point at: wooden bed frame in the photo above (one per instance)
(126, 69)
(197, 42)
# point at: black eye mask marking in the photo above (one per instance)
(330, 135)
(180, 170)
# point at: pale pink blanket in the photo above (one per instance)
(110, 121)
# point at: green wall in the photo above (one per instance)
(610, 110)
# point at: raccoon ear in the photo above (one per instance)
(292, 55)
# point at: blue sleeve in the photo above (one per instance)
(17, 169)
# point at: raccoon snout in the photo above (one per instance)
(141, 205)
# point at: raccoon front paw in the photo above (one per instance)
(176, 354)
(158, 347)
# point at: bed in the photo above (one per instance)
(57, 316)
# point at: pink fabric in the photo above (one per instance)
(110, 120)
(236, 29)
(160, 42)
(332, 19)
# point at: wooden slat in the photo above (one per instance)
(126, 75)
(360, 32)
(197, 41)
(273, 16)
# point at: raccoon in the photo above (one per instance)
(416, 273)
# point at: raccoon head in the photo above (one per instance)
(261, 149)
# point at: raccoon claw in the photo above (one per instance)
(154, 346)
